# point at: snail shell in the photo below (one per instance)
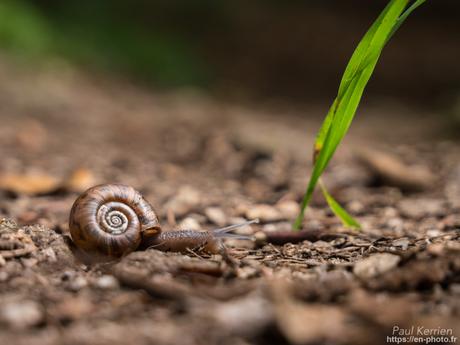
(112, 219)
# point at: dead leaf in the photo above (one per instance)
(393, 171)
(79, 180)
(30, 184)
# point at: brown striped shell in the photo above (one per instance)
(111, 219)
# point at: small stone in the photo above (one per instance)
(186, 200)
(107, 282)
(281, 226)
(77, 284)
(190, 223)
(260, 238)
(419, 208)
(433, 233)
(49, 254)
(216, 215)
(240, 243)
(68, 275)
(21, 315)
(401, 242)
(265, 213)
(356, 207)
(289, 209)
(396, 224)
(375, 265)
(389, 212)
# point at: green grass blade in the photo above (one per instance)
(366, 44)
(373, 40)
(404, 16)
(336, 132)
(355, 78)
(347, 220)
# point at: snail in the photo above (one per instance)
(115, 219)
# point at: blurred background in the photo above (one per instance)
(210, 109)
(285, 50)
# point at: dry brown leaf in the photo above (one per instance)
(393, 171)
(30, 184)
(79, 180)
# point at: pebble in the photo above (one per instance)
(281, 226)
(375, 265)
(216, 215)
(403, 243)
(356, 207)
(77, 284)
(107, 282)
(260, 238)
(186, 199)
(289, 209)
(49, 254)
(264, 212)
(419, 208)
(190, 223)
(433, 233)
(21, 315)
(396, 224)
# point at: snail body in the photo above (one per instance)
(115, 219)
(181, 240)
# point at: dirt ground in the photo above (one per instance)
(204, 164)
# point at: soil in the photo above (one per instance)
(203, 164)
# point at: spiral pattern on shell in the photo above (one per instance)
(111, 219)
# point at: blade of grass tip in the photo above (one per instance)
(347, 220)
(351, 70)
(336, 126)
(339, 211)
(404, 16)
(360, 52)
(379, 40)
